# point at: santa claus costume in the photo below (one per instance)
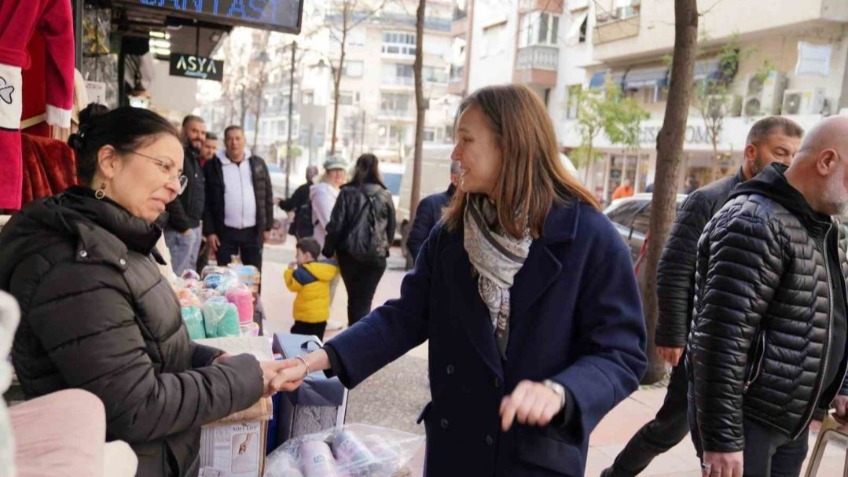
(19, 19)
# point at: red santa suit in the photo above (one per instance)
(18, 20)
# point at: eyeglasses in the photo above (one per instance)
(165, 169)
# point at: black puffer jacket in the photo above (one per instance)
(676, 270)
(362, 223)
(96, 314)
(186, 211)
(761, 342)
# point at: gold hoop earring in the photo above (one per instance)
(101, 192)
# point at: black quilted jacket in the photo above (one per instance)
(760, 342)
(97, 314)
(362, 223)
(676, 270)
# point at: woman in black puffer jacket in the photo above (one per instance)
(360, 233)
(96, 312)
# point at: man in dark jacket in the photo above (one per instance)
(182, 232)
(771, 139)
(298, 204)
(768, 341)
(429, 212)
(239, 214)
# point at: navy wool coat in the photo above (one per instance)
(576, 319)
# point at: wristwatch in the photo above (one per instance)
(558, 389)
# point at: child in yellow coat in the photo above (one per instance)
(310, 279)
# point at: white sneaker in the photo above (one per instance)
(335, 325)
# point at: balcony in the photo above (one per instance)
(397, 82)
(620, 24)
(537, 65)
(456, 80)
(397, 114)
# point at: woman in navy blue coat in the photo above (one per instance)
(527, 296)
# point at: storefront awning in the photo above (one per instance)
(646, 78)
(706, 69)
(600, 77)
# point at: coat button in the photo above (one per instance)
(444, 423)
(489, 440)
(122, 261)
(450, 369)
(497, 383)
(83, 253)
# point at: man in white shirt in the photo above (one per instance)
(239, 213)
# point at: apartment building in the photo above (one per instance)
(792, 61)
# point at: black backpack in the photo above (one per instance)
(364, 242)
(302, 225)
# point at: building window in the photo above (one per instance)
(353, 69)
(456, 72)
(395, 103)
(571, 108)
(429, 135)
(431, 74)
(347, 98)
(399, 43)
(398, 74)
(356, 37)
(539, 28)
(493, 39)
(583, 28)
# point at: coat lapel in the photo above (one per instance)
(539, 272)
(471, 310)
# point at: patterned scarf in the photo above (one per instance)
(496, 258)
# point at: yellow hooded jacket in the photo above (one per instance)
(311, 282)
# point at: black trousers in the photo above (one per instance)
(309, 329)
(361, 280)
(668, 428)
(245, 242)
(768, 453)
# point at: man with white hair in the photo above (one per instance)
(768, 342)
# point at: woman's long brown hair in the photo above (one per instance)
(532, 177)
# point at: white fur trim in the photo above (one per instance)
(11, 99)
(58, 117)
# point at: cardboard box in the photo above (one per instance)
(235, 445)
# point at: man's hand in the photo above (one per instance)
(266, 236)
(290, 377)
(724, 464)
(223, 357)
(531, 403)
(186, 232)
(670, 355)
(840, 405)
(213, 242)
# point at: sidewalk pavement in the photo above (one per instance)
(380, 401)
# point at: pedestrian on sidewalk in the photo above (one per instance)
(310, 279)
(767, 346)
(240, 213)
(182, 231)
(360, 234)
(324, 194)
(429, 213)
(771, 139)
(528, 300)
(299, 207)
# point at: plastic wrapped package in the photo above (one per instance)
(249, 329)
(193, 318)
(223, 281)
(355, 450)
(220, 318)
(248, 275)
(189, 274)
(211, 269)
(242, 298)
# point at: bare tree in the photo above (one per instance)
(421, 109)
(669, 153)
(353, 13)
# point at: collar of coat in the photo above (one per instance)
(561, 223)
(106, 231)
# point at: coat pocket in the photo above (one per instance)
(536, 448)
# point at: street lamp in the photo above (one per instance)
(291, 105)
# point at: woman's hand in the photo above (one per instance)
(271, 372)
(531, 403)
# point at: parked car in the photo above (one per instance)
(631, 216)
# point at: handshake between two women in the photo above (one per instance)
(288, 375)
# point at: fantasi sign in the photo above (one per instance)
(198, 67)
(280, 15)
